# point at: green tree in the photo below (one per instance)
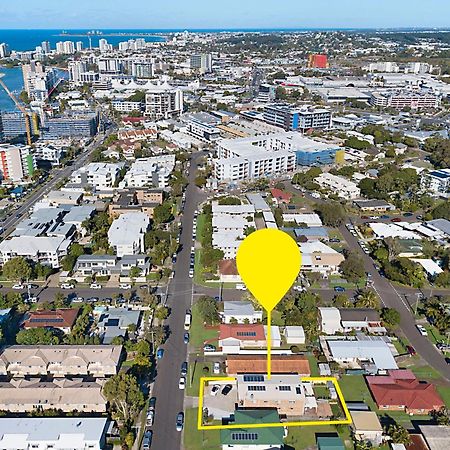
(332, 213)
(390, 316)
(352, 267)
(399, 434)
(342, 301)
(441, 416)
(76, 250)
(162, 313)
(124, 396)
(37, 336)
(17, 269)
(208, 309)
(163, 213)
(368, 299)
(135, 272)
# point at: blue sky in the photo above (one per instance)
(223, 13)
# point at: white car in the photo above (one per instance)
(422, 330)
(374, 217)
(241, 287)
(125, 286)
(299, 288)
(18, 287)
(33, 299)
(78, 300)
(182, 383)
(216, 368)
(191, 273)
(95, 286)
(215, 389)
(67, 286)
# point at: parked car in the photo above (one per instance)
(125, 286)
(67, 286)
(385, 217)
(396, 219)
(152, 403)
(180, 421)
(160, 353)
(18, 287)
(339, 289)
(335, 240)
(33, 299)
(215, 389)
(411, 350)
(227, 389)
(184, 368)
(95, 286)
(209, 348)
(147, 440)
(241, 287)
(422, 330)
(92, 299)
(408, 214)
(191, 273)
(186, 338)
(78, 300)
(216, 368)
(150, 417)
(182, 383)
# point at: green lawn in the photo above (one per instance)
(195, 439)
(193, 378)
(198, 333)
(433, 334)
(444, 392)
(299, 438)
(313, 365)
(425, 372)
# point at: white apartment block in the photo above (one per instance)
(100, 175)
(154, 171)
(338, 185)
(127, 232)
(76, 68)
(254, 157)
(437, 182)
(126, 106)
(163, 101)
(405, 99)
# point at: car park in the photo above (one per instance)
(215, 390)
(160, 353)
(227, 389)
(184, 368)
(216, 368)
(182, 383)
(180, 421)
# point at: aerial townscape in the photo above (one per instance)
(133, 164)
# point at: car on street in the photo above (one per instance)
(396, 219)
(335, 240)
(241, 287)
(18, 287)
(78, 300)
(184, 368)
(374, 217)
(227, 389)
(147, 440)
(419, 217)
(364, 217)
(215, 390)
(33, 299)
(186, 338)
(408, 214)
(385, 217)
(152, 403)
(160, 353)
(92, 299)
(143, 286)
(180, 421)
(191, 273)
(209, 348)
(125, 286)
(216, 368)
(182, 383)
(422, 330)
(95, 286)
(67, 286)
(411, 350)
(150, 417)
(339, 289)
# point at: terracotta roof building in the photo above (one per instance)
(241, 336)
(280, 196)
(62, 319)
(282, 364)
(400, 390)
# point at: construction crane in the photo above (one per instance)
(21, 108)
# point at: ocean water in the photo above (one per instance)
(13, 79)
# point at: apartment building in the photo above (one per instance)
(101, 176)
(437, 182)
(38, 81)
(17, 162)
(201, 62)
(405, 99)
(56, 433)
(81, 125)
(96, 361)
(135, 201)
(13, 125)
(338, 185)
(163, 101)
(298, 119)
(203, 126)
(127, 232)
(283, 392)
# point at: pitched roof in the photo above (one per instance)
(228, 267)
(258, 364)
(243, 332)
(60, 318)
(400, 388)
(254, 436)
(359, 314)
(281, 195)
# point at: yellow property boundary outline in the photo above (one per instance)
(318, 380)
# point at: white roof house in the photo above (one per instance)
(330, 320)
(58, 433)
(126, 234)
(384, 230)
(294, 334)
(431, 267)
(241, 311)
(319, 257)
(310, 219)
(338, 185)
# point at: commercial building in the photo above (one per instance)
(338, 185)
(317, 61)
(71, 125)
(125, 106)
(436, 182)
(16, 162)
(13, 125)
(56, 433)
(298, 119)
(126, 234)
(203, 126)
(283, 392)
(163, 101)
(405, 99)
(96, 361)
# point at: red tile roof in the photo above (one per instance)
(243, 332)
(258, 364)
(228, 267)
(60, 318)
(281, 195)
(402, 388)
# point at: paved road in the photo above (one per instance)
(393, 299)
(169, 399)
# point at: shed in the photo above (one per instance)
(294, 335)
(330, 443)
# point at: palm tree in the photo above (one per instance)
(368, 299)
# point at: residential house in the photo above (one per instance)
(344, 320)
(374, 205)
(76, 433)
(366, 427)
(319, 257)
(338, 185)
(280, 197)
(308, 220)
(269, 438)
(294, 335)
(283, 392)
(228, 271)
(400, 390)
(234, 337)
(238, 364)
(114, 322)
(134, 201)
(61, 319)
(241, 312)
(437, 437)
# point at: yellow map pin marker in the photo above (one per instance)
(268, 262)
